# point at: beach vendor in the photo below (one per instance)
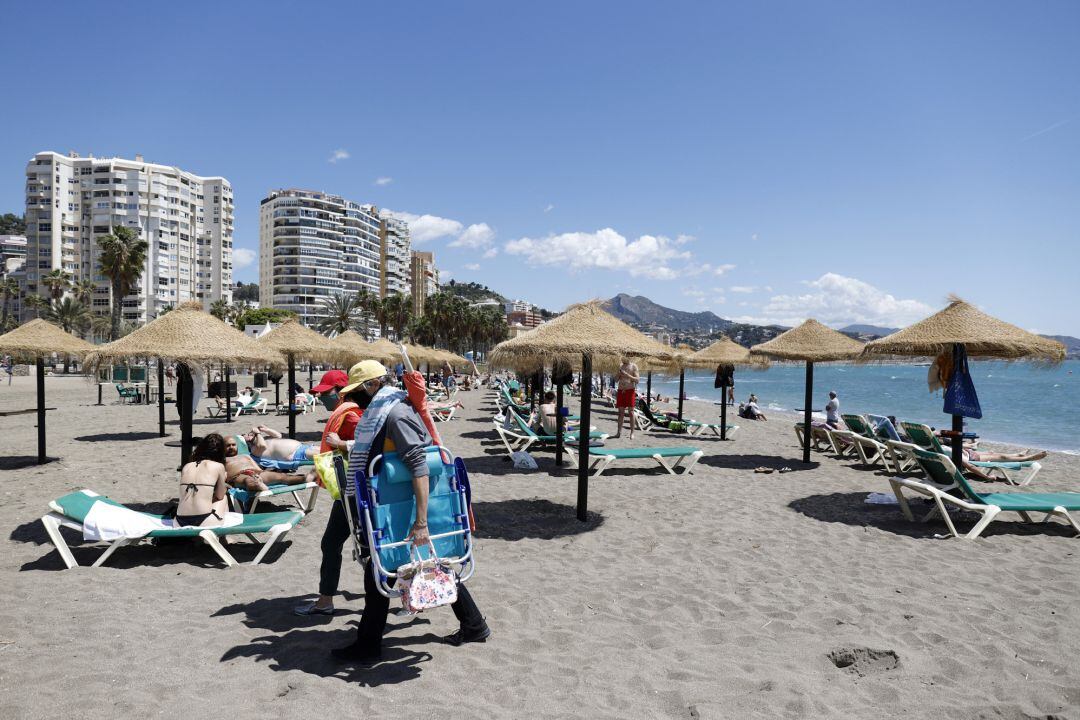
(338, 432)
(390, 423)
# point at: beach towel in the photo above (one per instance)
(370, 424)
(105, 521)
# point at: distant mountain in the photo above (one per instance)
(641, 311)
(858, 329)
(1072, 345)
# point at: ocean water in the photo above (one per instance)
(1022, 403)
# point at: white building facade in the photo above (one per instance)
(313, 245)
(396, 256)
(186, 219)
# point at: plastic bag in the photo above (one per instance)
(324, 468)
(524, 460)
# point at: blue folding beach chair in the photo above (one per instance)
(386, 508)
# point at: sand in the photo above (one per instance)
(724, 594)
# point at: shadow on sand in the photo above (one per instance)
(735, 461)
(18, 462)
(530, 518)
(118, 437)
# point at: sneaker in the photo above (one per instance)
(356, 653)
(468, 636)
(310, 608)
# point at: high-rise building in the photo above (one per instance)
(186, 219)
(12, 253)
(313, 245)
(396, 269)
(425, 279)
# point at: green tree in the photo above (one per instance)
(220, 310)
(72, 316)
(342, 313)
(123, 255)
(248, 292)
(58, 282)
(36, 303)
(9, 288)
(83, 290)
(12, 224)
(261, 316)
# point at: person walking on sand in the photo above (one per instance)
(731, 394)
(626, 395)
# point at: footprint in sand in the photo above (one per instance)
(864, 661)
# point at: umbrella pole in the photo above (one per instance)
(277, 393)
(560, 425)
(228, 393)
(807, 402)
(310, 376)
(184, 390)
(583, 438)
(957, 425)
(291, 398)
(648, 387)
(723, 412)
(40, 410)
(161, 398)
(146, 399)
(682, 383)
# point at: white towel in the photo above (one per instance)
(109, 522)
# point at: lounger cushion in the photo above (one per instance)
(645, 452)
(76, 505)
(1032, 502)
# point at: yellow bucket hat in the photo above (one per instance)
(363, 371)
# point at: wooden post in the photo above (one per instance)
(40, 410)
(560, 422)
(723, 412)
(184, 390)
(146, 400)
(682, 384)
(290, 398)
(228, 393)
(808, 401)
(161, 397)
(310, 375)
(583, 438)
(648, 388)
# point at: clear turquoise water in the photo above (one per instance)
(1023, 404)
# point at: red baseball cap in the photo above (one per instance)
(331, 379)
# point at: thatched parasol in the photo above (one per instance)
(811, 342)
(981, 336)
(297, 342)
(724, 351)
(587, 332)
(191, 337)
(33, 341)
(352, 349)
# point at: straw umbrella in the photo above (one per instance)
(35, 340)
(586, 333)
(293, 340)
(191, 337)
(352, 349)
(724, 351)
(961, 325)
(811, 342)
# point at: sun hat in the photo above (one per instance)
(363, 371)
(331, 379)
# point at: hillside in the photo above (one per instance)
(641, 311)
(1072, 345)
(875, 330)
(473, 292)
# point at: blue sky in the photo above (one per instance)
(851, 161)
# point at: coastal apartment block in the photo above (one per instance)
(424, 280)
(186, 219)
(395, 256)
(313, 245)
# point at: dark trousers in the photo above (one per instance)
(333, 539)
(377, 606)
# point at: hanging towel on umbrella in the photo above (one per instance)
(725, 376)
(960, 397)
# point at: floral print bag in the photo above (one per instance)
(426, 584)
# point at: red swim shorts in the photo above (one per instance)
(625, 398)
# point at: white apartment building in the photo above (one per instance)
(395, 256)
(313, 245)
(186, 219)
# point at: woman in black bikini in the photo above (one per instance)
(203, 485)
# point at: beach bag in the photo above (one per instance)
(324, 469)
(960, 397)
(426, 584)
(524, 461)
(677, 426)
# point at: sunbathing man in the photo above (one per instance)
(268, 443)
(971, 456)
(242, 471)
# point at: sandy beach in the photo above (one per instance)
(723, 594)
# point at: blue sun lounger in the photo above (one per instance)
(71, 510)
(386, 507)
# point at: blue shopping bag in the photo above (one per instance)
(960, 397)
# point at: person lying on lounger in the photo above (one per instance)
(971, 456)
(268, 443)
(202, 485)
(243, 472)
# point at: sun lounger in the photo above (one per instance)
(247, 501)
(128, 394)
(860, 434)
(685, 457)
(943, 474)
(647, 419)
(443, 414)
(256, 405)
(821, 439)
(71, 510)
(925, 438)
(520, 437)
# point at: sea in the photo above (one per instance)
(1023, 403)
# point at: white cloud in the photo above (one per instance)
(838, 300)
(475, 236)
(423, 228)
(472, 266)
(242, 257)
(721, 269)
(549, 208)
(491, 252)
(648, 256)
(693, 292)
(383, 180)
(339, 154)
(745, 289)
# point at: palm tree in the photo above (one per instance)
(36, 302)
(70, 315)
(342, 312)
(83, 290)
(122, 258)
(365, 304)
(9, 288)
(220, 310)
(58, 282)
(398, 309)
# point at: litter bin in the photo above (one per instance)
(260, 380)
